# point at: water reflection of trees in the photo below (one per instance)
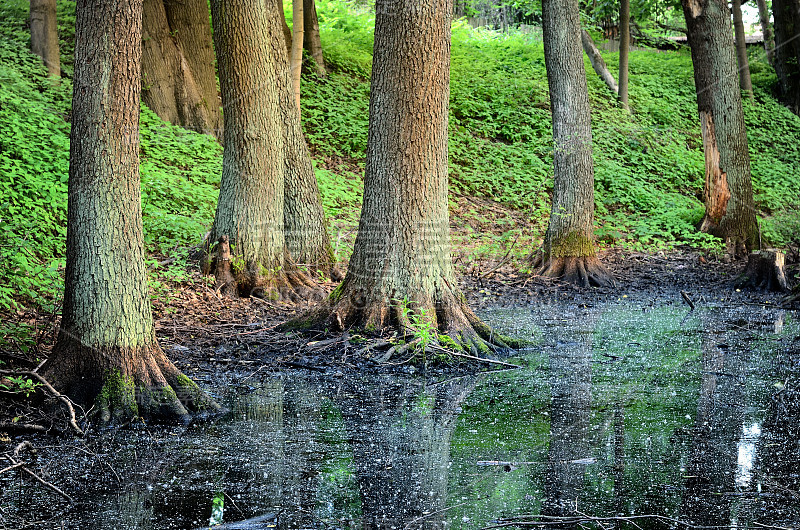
(400, 434)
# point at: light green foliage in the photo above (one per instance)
(19, 384)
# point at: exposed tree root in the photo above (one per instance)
(583, 271)
(765, 270)
(444, 320)
(120, 385)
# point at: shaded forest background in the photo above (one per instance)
(648, 165)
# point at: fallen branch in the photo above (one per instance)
(502, 261)
(552, 520)
(472, 357)
(8, 426)
(15, 464)
(73, 422)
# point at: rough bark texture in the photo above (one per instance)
(287, 32)
(624, 49)
(306, 231)
(597, 61)
(730, 210)
(311, 41)
(766, 31)
(250, 210)
(402, 251)
(106, 351)
(296, 54)
(178, 77)
(787, 51)
(44, 35)
(765, 270)
(741, 49)
(568, 251)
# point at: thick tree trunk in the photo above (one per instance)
(787, 51)
(250, 210)
(597, 61)
(624, 49)
(311, 41)
(178, 78)
(296, 55)
(568, 251)
(44, 35)
(306, 231)
(106, 351)
(741, 49)
(766, 31)
(730, 210)
(402, 251)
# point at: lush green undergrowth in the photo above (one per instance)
(648, 165)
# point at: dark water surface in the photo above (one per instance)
(621, 409)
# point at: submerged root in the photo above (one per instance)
(583, 271)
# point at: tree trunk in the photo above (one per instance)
(766, 31)
(189, 22)
(107, 351)
(787, 51)
(765, 270)
(250, 210)
(402, 250)
(287, 32)
(741, 49)
(597, 61)
(311, 40)
(44, 35)
(624, 49)
(178, 79)
(568, 251)
(306, 231)
(728, 191)
(296, 55)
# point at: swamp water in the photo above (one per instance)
(620, 409)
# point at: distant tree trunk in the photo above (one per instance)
(178, 78)
(597, 61)
(311, 40)
(766, 31)
(250, 210)
(728, 191)
(107, 353)
(402, 251)
(287, 32)
(741, 49)
(306, 232)
(787, 51)
(44, 35)
(296, 55)
(569, 251)
(624, 49)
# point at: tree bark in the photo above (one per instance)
(178, 77)
(624, 49)
(728, 191)
(287, 32)
(765, 270)
(311, 41)
(306, 231)
(766, 31)
(250, 210)
(597, 61)
(106, 350)
(741, 49)
(402, 250)
(44, 35)
(296, 55)
(569, 251)
(787, 51)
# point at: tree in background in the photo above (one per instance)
(179, 80)
(311, 41)
(766, 30)
(787, 51)
(44, 35)
(568, 251)
(249, 221)
(107, 353)
(728, 191)
(741, 49)
(624, 49)
(401, 263)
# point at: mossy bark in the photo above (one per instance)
(401, 258)
(106, 349)
(568, 252)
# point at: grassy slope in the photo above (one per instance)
(648, 167)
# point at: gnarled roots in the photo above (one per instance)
(583, 271)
